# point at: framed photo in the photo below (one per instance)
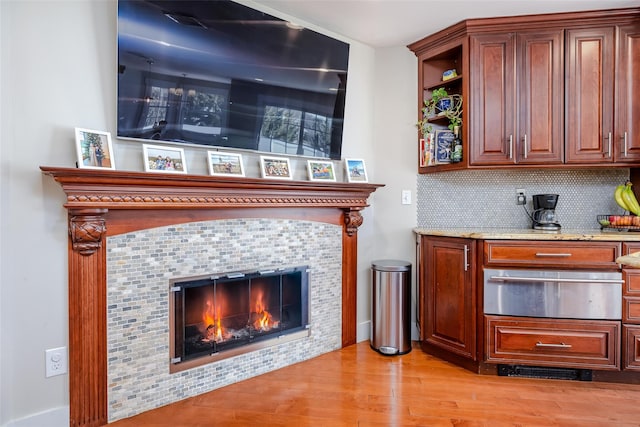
(158, 158)
(275, 167)
(356, 171)
(321, 170)
(225, 164)
(94, 149)
(444, 146)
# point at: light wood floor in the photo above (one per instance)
(356, 386)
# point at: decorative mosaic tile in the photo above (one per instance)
(139, 267)
(487, 198)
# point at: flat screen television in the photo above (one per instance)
(218, 73)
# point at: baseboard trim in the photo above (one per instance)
(363, 333)
(57, 417)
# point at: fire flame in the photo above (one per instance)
(260, 320)
(211, 316)
(264, 321)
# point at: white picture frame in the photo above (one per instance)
(163, 159)
(356, 170)
(321, 170)
(222, 163)
(94, 149)
(273, 167)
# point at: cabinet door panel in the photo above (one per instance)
(450, 315)
(631, 347)
(541, 105)
(589, 100)
(492, 100)
(627, 136)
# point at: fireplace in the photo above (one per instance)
(223, 315)
(109, 210)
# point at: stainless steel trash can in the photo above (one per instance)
(390, 309)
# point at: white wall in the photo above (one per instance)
(58, 71)
(396, 157)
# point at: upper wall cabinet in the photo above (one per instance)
(627, 113)
(590, 77)
(547, 90)
(516, 114)
(443, 57)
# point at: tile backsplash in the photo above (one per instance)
(487, 198)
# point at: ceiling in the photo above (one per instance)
(386, 23)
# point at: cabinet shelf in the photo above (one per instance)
(447, 83)
(438, 119)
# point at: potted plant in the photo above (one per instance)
(441, 103)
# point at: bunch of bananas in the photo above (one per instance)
(626, 199)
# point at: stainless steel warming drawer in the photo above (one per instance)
(553, 294)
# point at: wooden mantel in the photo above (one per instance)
(103, 203)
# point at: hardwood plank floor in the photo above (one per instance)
(356, 386)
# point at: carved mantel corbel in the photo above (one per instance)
(352, 220)
(87, 228)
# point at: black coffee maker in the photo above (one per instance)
(544, 212)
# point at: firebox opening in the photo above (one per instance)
(220, 316)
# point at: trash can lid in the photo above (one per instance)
(391, 265)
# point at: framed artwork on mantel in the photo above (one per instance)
(94, 149)
(320, 170)
(356, 170)
(275, 167)
(225, 164)
(165, 159)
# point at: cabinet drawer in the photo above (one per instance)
(631, 281)
(631, 347)
(553, 342)
(631, 310)
(552, 254)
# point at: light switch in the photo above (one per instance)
(406, 197)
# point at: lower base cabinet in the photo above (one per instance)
(631, 344)
(449, 300)
(586, 344)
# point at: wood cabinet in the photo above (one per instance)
(448, 315)
(631, 313)
(448, 55)
(631, 340)
(516, 115)
(569, 343)
(544, 90)
(627, 112)
(589, 99)
(453, 324)
(587, 344)
(601, 95)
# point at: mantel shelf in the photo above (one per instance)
(109, 189)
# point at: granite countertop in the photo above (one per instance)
(530, 234)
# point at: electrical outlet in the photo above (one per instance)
(55, 361)
(406, 197)
(521, 199)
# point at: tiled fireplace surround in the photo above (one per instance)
(130, 233)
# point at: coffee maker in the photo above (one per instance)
(544, 213)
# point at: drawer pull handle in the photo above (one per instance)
(552, 279)
(558, 255)
(561, 345)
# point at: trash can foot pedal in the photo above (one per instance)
(388, 350)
